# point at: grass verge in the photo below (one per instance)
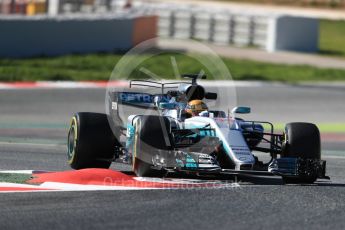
(332, 38)
(14, 178)
(323, 127)
(100, 66)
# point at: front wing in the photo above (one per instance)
(204, 164)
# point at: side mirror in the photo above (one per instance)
(241, 110)
(211, 96)
(164, 105)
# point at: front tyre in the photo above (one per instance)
(91, 142)
(152, 136)
(302, 140)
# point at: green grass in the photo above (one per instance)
(323, 127)
(100, 66)
(14, 178)
(70, 67)
(332, 37)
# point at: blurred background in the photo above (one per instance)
(287, 60)
(287, 57)
(268, 35)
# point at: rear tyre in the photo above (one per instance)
(152, 135)
(302, 140)
(91, 142)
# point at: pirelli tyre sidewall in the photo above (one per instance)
(91, 143)
(148, 140)
(72, 140)
(302, 140)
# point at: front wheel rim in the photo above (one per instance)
(72, 141)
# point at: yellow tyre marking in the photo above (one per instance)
(74, 125)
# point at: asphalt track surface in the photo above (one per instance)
(33, 132)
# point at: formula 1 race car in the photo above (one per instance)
(211, 142)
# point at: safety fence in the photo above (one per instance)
(23, 36)
(212, 24)
(270, 32)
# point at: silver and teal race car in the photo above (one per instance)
(162, 139)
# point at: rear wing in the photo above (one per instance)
(154, 84)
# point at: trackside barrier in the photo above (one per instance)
(27, 36)
(275, 32)
(219, 25)
(212, 24)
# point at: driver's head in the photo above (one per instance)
(195, 107)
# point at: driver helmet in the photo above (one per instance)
(195, 107)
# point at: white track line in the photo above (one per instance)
(125, 84)
(17, 172)
(14, 185)
(332, 157)
(31, 144)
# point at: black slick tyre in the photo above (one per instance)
(152, 135)
(91, 142)
(302, 140)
